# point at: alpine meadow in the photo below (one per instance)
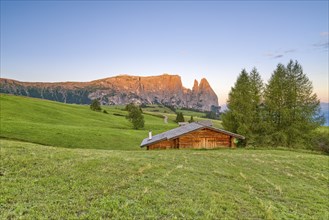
(164, 110)
(68, 176)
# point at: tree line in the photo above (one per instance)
(284, 112)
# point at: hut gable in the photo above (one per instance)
(193, 135)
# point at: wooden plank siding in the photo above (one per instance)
(199, 139)
(204, 138)
(166, 144)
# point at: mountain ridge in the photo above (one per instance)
(122, 89)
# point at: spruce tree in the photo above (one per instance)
(293, 109)
(258, 126)
(237, 119)
(180, 117)
(243, 115)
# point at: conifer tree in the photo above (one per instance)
(243, 115)
(258, 125)
(180, 117)
(293, 109)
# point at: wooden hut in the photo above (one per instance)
(196, 135)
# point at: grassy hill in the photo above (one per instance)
(75, 126)
(160, 111)
(164, 109)
(41, 182)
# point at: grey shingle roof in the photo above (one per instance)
(183, 130)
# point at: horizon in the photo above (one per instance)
(195, 40)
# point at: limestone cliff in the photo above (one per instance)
(165, 89)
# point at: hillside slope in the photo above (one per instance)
(68, 125)
(40, 182)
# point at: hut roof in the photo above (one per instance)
(173, 133)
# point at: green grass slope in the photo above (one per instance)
(74, 126)
(40, 182)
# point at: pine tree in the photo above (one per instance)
(293, 109)
(191, 119)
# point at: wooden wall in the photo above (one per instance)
(162, 145)
(203, 138)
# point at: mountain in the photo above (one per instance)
(119, 90)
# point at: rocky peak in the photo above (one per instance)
(165, 82)
(119, 90)
(204, 85)
(195, 88)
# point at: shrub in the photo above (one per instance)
(320, 142)
(191, 120)
(95, 105)
(116, 114)
(135, 116)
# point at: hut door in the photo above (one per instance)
(176, 143)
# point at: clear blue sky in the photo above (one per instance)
(87, 40)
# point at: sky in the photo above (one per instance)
(55, 41)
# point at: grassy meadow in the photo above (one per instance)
(160, 111)
(47, 182)
(74, 126)
(63, 161)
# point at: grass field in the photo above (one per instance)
(41, 182)
(124, 182)
(192, 113)
(172, 117)
(158, 108)
(74, 126)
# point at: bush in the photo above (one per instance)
(95, 105)
(172, 108)
(135, 116)
(320, 142)
(191, 120)
(143, 105)
(116, 114)
(129, 107)
(211, 115)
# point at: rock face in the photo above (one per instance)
(165, 89)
